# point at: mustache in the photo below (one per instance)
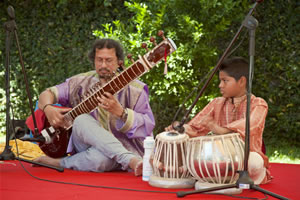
(104, 70)
(108, 75)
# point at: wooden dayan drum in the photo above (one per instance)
(214, 160)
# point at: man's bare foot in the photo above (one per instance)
(137, 165)
(48, 161)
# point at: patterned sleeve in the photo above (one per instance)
(61, 93)
(140, 121)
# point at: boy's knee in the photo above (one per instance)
(255, 162)
(256, 168)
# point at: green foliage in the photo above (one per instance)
(277, 79)
(56, 35)
(54, 39)
(283, 151)
(196, 54)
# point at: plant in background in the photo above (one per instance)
(56, 36)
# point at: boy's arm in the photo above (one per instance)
(198, 125)
(214, 127)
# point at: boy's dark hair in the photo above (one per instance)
(235, 67)
(109, 44)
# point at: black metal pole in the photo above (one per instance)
(10, 28)
(251, 23)
(7, 154)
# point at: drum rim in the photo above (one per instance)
(165, 137)
(216, 136)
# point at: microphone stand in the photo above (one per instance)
(178, 126)
(11, 27)
(244, 181)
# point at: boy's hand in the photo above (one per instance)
(209, 123)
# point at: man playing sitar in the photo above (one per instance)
(108, 129)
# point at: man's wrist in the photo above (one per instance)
(124, 115)
(45, 106)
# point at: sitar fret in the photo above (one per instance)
(84, 107)
(119, 84)
(132, 70)
(94, 101)
(127, 75)
(115, 86)
(122, 79)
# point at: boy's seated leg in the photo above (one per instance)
(256, 169)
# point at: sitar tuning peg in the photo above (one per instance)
(121, 65)
(129, 56)
(152, 39)
(161, 34)
(144, 45)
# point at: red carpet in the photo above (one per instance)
(17, 184)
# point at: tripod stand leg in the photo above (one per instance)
(59, 169)
(182, 194)
(256, 187)
(7, 154)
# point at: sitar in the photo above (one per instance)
(57, 139)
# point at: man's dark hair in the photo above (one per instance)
(235, 67)
(109, 44)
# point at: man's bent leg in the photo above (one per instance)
(48, 161)
(90, 160)
(88, 131)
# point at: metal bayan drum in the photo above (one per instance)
(169, 162)
(214, 160)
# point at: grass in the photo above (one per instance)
(282, 150)
(283, 153)
(278, 153)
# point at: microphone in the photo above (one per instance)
(45, 136)
(11, 12)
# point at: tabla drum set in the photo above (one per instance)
(169, 163)
(210, 161)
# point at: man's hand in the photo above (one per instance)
(108, 102)
(55, 115)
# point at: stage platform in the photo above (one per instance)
(19, 180)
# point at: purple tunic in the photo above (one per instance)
(134, 97)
